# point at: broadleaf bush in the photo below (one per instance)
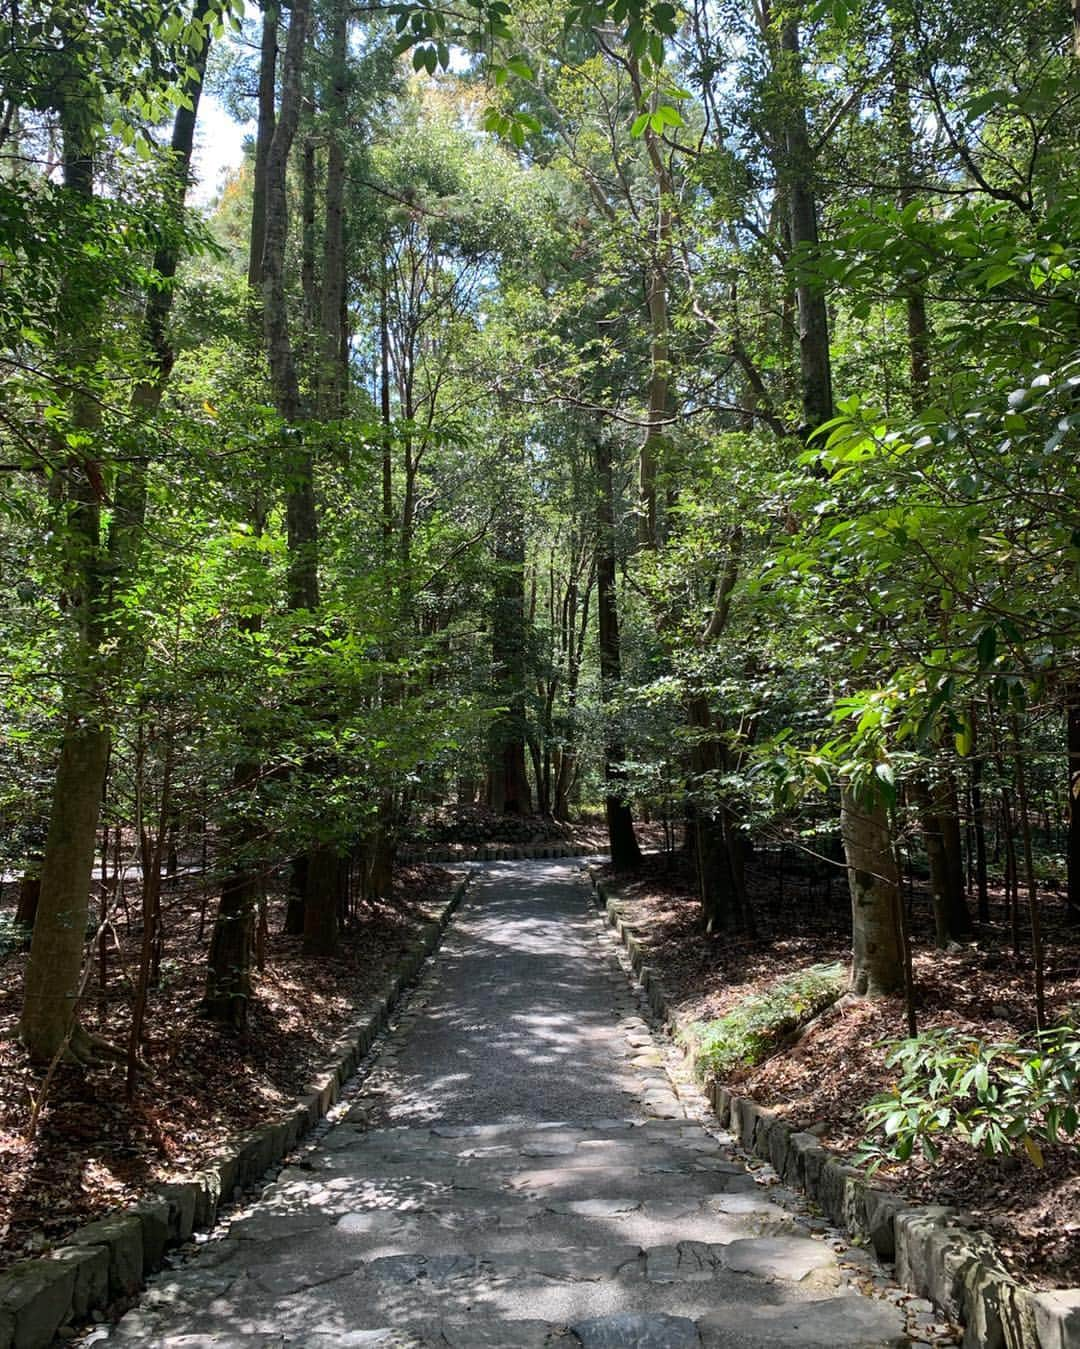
(998, 1097)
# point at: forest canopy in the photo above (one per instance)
(663, 411)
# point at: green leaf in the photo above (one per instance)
(986, 647)
(998, 274)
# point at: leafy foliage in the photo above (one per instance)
(996, 1097)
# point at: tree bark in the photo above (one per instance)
(302, 525)
(228, 974)
(874, 881)
(656, 284)
(331, 334)
(321, 896)
(227, 996)
(301, 519)
(1034, 914)
(27, 902)
(56, 950)
(947, 803)
(934, 843)
(918, 323)
(716, 851)
(982, 891)
(267, 118)
(508, 783)
(53, 971)
(625, 853)
(1072, 780)
(798, 177)
(941, 837)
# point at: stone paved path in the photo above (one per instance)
(517, 1171)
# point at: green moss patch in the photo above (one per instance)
(755, 1028)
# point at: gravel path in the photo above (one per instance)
(518, 1170)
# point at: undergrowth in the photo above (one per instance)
(13, 936)
(755, 1028)
(995, 1097)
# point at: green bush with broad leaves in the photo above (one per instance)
(755, 1028)
(996, 1097)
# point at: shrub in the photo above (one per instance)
(755, 1028)
(996, 1097)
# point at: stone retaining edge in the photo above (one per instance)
(936, 1255)
(497, 852)
(108, 1258)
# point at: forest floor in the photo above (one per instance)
(93, 1151)
(826, 1078)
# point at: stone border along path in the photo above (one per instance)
(105, 1262)
(408, 1223)
(932, 1253)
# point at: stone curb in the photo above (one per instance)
(108, 1259)
(936, 1255)
(497, 852)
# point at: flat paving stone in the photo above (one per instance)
(514, 1182)
(833, 1323)
(793, 1259)
(637, 1332)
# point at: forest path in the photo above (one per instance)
(516, 1171)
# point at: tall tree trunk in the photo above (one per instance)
(310, 352)
(798, 173)
(625, 853)
(947, 803)
(1034, 914)
(508, 783)
(302, 528)
(717, 846)
(918, 323)
(321, 901)
(657, 280)
(301, 520)
(939, 817)
(877, 962)
(384, 411)
(323, 873)
(267, 118)
(227, 994)
(982, 890)
(54, 968)
(656, 285)
(331, 334)
(871, 861)
(27, 903)
(934, 843)
(151, 852)
(1072, 780)
(228, 973)
(719, 869)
